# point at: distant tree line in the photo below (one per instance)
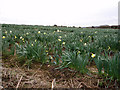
(102, 26)
(106, 26)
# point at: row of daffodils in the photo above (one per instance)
(74, 48)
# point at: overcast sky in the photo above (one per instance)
(60, 12)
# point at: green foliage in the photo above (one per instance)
(75, 60)
(33, 52)
(45, 44)
(109, 65)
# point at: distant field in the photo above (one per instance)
(66, 47)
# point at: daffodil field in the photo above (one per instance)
(66, 47)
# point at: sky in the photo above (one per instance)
(60, 12)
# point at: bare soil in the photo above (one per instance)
(47, 76)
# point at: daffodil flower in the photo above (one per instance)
(51, 57)
(5, 32)
(31, 44)
(15, 37)
(58, 30)
(96, 32)
(85, 44)
(63, 43)
(80, 40)
(27, 33)
(108, 47)
(20, 37)
(3, 37)
(78, 52)
(93, 55)
(23, 39)
(17, 43)
(35, 40)
(46, 50)
(44, 33)
(59, 39)
(39, 32)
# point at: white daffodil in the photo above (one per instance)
(20, 37)
(10, 31)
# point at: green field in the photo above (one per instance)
(76, 49)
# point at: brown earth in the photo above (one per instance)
(47, 76)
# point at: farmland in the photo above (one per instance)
(84, 52)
